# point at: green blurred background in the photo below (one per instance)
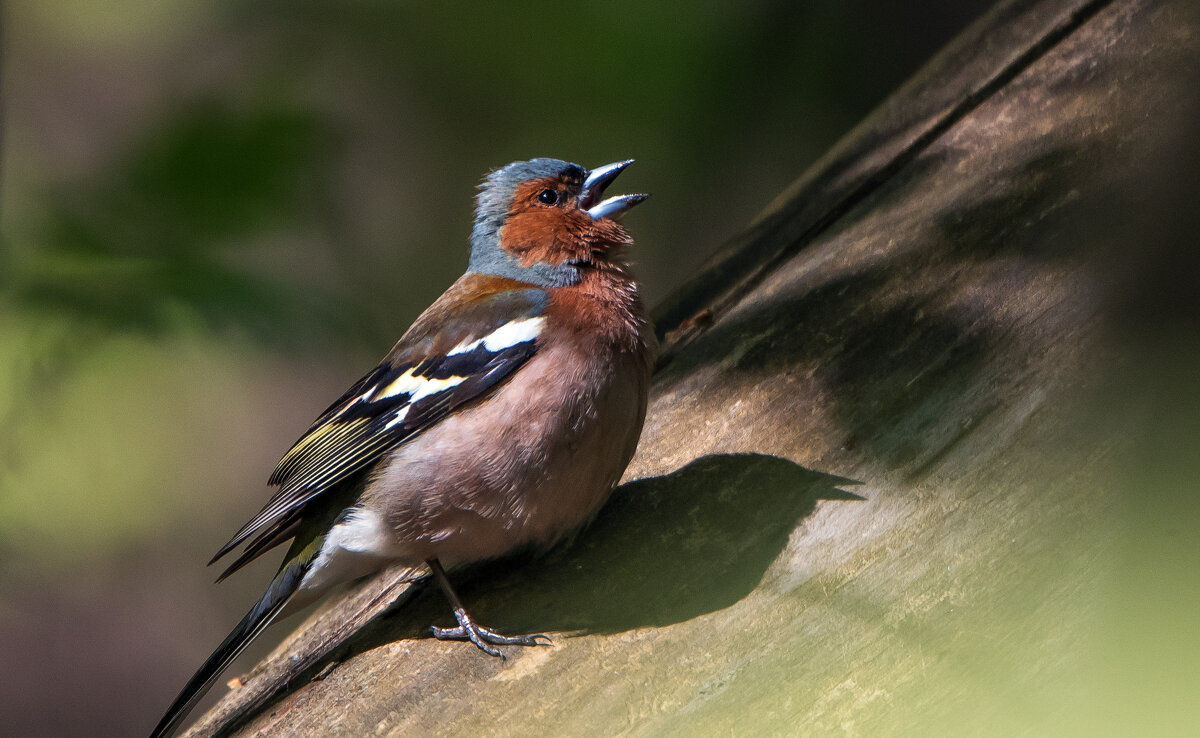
(216, 215)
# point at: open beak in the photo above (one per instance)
(593, 188)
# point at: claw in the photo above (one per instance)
(484, 638)
(467, 629)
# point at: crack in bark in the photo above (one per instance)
(704, 307)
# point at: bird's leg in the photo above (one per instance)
(468, 629)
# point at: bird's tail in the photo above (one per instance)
(256, 621)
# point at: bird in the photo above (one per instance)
(500, 421)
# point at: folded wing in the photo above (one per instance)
(453, 355)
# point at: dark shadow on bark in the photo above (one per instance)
(900, 371)
(662, 551)
(903, 348)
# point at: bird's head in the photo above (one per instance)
(545, 220)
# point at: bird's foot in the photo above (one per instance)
(485, 638)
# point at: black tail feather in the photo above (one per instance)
(255, 621)
(268, 539)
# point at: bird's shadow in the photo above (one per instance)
(663, 550)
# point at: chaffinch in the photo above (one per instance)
(501, 420)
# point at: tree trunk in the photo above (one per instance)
(869, 497)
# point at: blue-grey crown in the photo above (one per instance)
(491, 210)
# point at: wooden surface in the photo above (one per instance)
(869, 499)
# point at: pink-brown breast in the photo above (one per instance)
(535, 459)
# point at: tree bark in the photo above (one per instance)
(867, 496)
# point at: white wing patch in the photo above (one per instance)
(415, 386)
(402, 384)
(399, 417)
(506, 336)
(433, 386)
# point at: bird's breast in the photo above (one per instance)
(524, 466)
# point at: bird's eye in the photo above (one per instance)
(548, 196)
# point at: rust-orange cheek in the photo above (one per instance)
(549, 235)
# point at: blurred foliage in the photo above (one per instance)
(142, 247)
